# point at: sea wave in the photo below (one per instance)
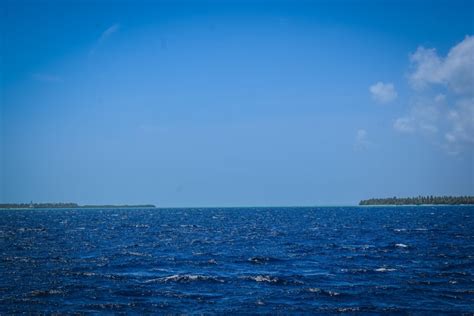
(38, 293)
(323, 292)
(271, 279)
(136, 254)
(262, 260)
(185, 278)
(263, 278)
(384, 269)
(401, 245)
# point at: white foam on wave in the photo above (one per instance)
(348, 309)
(177, 277)
(137, 254)
(45, 292)
(318, 290)
(385, 269)
(401, 245)
(184, 278)
(263, 278)
(354, 271)
(142, 226)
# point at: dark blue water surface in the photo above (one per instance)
(257, 260)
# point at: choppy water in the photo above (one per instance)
(374, 259)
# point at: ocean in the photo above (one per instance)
(238, 260)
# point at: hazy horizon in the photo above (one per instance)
(274, 103)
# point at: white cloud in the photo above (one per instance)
(455, 71)
(44, 77)
(444, 94)
(452, 123)
(423, 117)
(426, 64)
(461, 121)
(361, 140)
(383, 92)
(404, 125)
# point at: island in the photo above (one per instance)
(420, 200)
(67, 205)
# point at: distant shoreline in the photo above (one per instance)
(24, 206)
(419, 200)
(224, 207)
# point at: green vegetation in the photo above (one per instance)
(434, 200)
(68, 205)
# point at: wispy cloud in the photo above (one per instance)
(383, 92)
(45, 77)
(444, 90)
(104, 36)
(424, 116)
(111, 30)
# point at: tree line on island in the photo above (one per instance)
(420, 200)
(69, 205)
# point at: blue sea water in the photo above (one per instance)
(238, 260)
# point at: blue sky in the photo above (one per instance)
(235, 103)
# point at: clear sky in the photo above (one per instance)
(235, 103)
